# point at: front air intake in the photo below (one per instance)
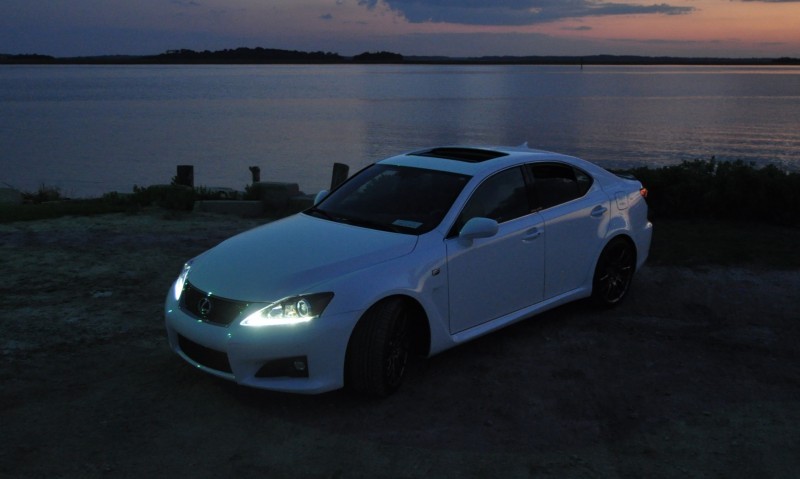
(204, 356)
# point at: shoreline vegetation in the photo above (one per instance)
(260, 55)
(704, 211)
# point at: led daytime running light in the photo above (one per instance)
(181, 281)
(294, 310)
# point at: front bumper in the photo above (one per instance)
(302, 358)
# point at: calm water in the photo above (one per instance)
(90, 130)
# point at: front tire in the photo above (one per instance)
(377, 356)
(614, 273)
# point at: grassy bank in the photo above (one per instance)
(697, 243)
(53, 209)
(711, 189)
(47, 202)
(723, 213)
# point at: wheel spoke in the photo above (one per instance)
(397, 352)
(614, 273)
(379, 350)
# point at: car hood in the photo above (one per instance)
(290, 256)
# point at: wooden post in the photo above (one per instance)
(340, 172)
(185, 175)
(256, 173)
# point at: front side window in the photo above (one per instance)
(393, 198)
(502, 197)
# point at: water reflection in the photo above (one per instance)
(95, 129)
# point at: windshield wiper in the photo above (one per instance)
(314, 211)
(376, 225)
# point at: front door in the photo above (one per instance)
(491, 277)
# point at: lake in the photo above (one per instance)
(93, 129)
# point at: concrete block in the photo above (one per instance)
(276, 196)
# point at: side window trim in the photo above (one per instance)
(533, 199)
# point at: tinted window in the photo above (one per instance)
(556, 183)
(502, 197)
(393, 198)
(584, 181)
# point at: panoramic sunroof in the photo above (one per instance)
(470, 155)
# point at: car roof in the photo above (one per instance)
(477, 160)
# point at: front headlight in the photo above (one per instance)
(294, 310)
(181, 281)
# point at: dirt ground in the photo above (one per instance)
(697, 374)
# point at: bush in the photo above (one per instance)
(205, 193)
(55, 209)
(42, 195)
(47, 202)
(722, 190)
(170, 197)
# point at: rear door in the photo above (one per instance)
(575, 211)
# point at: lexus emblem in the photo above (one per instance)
(204, 307)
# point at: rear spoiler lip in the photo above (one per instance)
(625, 175)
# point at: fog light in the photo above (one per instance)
(293, 367)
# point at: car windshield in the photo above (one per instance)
(393, 198)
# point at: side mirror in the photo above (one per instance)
(478, 228)
(320, 196)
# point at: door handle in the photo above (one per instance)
(531, 234)
(598, 211)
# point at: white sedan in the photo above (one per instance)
(414, 254)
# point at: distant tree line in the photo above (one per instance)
(601, 60)
(227, 56)
(271, 55)
(247, 55)
(26, 58)
(379, 57)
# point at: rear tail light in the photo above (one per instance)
(643, 192)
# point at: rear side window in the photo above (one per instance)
(556, 183)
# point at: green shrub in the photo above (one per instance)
(170, 197)
(722, 190)
(55, 209)
(204, 193)
(43, 194)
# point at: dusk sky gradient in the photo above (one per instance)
(692, 28)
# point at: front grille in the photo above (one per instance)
(210, 358)
(208, 307)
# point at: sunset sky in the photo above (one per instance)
(728, 28)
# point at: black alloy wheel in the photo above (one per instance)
(614, 272)
(377, 356)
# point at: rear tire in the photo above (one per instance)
(377, 356)
(614, 273)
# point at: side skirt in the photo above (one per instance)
(516, 316)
